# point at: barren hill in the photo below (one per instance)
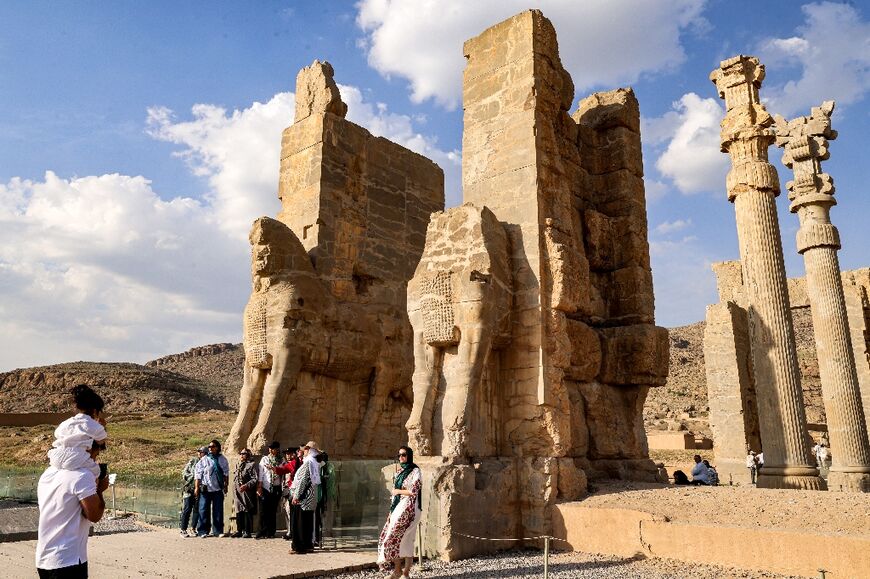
(681, 404)
(124, 387)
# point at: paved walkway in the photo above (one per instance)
(162, 553)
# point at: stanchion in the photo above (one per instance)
(546, 557)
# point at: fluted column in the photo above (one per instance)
(805, 144)
(753, 186)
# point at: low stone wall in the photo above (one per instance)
(627, 533)
(32, 418)
(678, 441)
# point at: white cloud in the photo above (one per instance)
(106, 268)
(692, 159)
(102, 268)
(832, 49)
(602, 43)
(668, 227)
(237, 152)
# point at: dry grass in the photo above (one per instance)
(152, 448)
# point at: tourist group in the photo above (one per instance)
(298, 480)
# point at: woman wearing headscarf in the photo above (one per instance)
(245, 494)
(397, 538)
(304, 493)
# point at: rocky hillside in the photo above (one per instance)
(124, 387)
(681, 404)
(218, 365)
(210, 376)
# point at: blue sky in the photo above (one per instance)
(138, 141)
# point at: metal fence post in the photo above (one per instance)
(546, 557)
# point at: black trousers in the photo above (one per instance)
(269, 512)
(79, 571)
(189, 508)
(303, 529)
(245, 522)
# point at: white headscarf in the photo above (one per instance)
(313, 465)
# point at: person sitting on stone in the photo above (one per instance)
(700, 473)
(712, 475)
(680, 478)
(245, 494)
(75, 436)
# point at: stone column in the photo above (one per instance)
(753, 186)
(805, 144)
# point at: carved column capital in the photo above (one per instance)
(804, 141)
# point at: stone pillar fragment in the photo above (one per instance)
(753, 186)
(805, 143)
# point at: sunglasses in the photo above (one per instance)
(401, 454)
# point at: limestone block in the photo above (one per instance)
(606, 110)
(635, 354)
(316, 91)
(475, 499)
(600, 241)
(572, 480)
(629, 294)
(613, 416)
(568, 272)
(729, 280)
(585, 359)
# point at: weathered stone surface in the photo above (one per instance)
(317, 93)
(635, 354)
(805, 143)
(459, 304)
(730, 388)
(547, 355)
(327, 338)
(752, 186)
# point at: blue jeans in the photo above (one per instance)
(189, 508)
(211, 503)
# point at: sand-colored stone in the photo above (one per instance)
(805, 142)
(730, 389)
(753, 186)
(532, 305)
(327, 338)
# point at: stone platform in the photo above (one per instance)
(163, 553)
(783, 531)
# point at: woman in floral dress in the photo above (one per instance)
(396, 544)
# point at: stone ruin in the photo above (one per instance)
(515, 334)
(327, 341)
(532, 305)
(753, 380)
(730, 381)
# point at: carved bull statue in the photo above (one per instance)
(293, 324)
(459, 304)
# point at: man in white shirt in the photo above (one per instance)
(699, 472)
(69, 501)
(269, 490)
(752, 465)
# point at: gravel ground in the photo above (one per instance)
(807, 511)
(9, 504)
(563, 565)
(108, 526)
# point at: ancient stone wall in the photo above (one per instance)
(553, 372)
(730, 382)
(358, 206)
